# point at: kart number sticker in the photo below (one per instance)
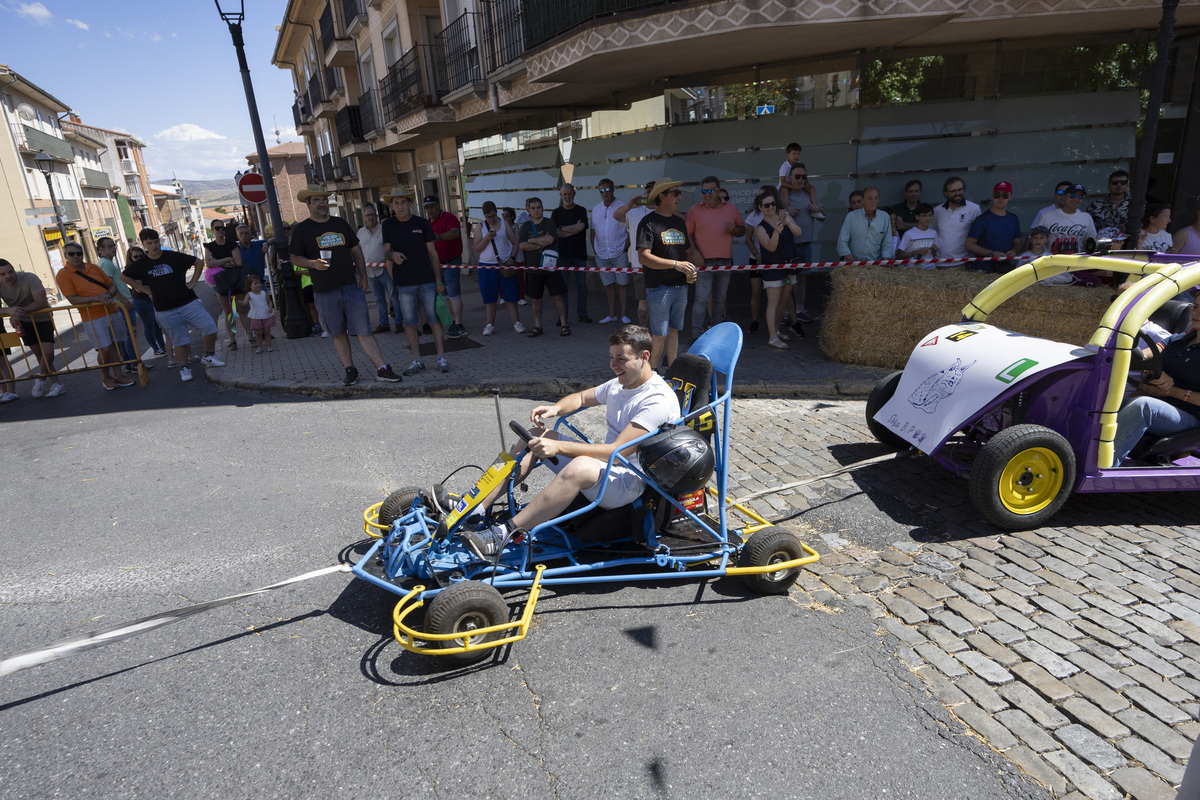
(958, 337)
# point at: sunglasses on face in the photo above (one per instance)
(1076, 195)
(800, 177)
(74, 254)
(606, 191)
(1118, 183)
(1001, 195)
(767, 205)
(707, 191)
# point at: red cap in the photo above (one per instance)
(1002, 186)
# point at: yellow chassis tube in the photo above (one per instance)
(408, 637)
(371, 520)
(811, 556)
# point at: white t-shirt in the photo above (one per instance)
(952, 226)
(1038, 219)
(372, 249)
(914, 239)
(609, 234)
(648, 406)
(1067, 231)
(259, 307)
(1160, 242)
(632, 218)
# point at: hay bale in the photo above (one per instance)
(877, 315)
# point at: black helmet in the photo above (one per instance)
(679, 460)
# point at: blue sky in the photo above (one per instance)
(163, 70)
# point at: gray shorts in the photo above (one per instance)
(107, 330)
(621, 486)
(176, 321)
(344, 310)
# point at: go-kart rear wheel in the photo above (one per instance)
(465, 607)
(397, 504)
(771, 546)
(1022, 477)
(878, 398)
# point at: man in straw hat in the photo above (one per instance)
(416, 270)
(328, 248)
(667, 257)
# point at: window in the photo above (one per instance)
(391, 44)
(366, 68)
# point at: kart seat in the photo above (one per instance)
(1168, 448)
(1174, 315)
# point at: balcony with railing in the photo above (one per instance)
(302, 114)
(335, 44)
(456, 58)
(128, 167)
(369, 115)
(402, 90)
(95, 179)
(334, 88)
(70, 210)
(350, 139)
(354, 12)
(40, 140)
(503, 33)
(547, 19)
(321, 95)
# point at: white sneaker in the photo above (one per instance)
(212, 361)
(518, 327)
(521, 302)
(8, 397)
(489, 329)
(56, 390)
(607, 320)
(39, 387)
(626, 321)
(324, 334)
(185, 374)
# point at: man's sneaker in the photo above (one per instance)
(8, 397)
(425, 329)
(39, 387)
(443, 364)
(803, 316)
(56, 390)
(609, 319)
(488, 542)
(626, 321)
(211, 360)
(518, 327)
(489, 329)
(324, 334)
(351, 376)
(385, 373)
(185, 374)
(123, 381)
(456, 331)
(316, 330)
(414, 367)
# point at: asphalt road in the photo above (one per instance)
(128, 503)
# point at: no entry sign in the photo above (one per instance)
(252, 189)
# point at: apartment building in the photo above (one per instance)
(289, 166)
(122, 161)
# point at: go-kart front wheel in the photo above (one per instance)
(1022, 477)
(878, 398)
(462, 608)
(771, 546)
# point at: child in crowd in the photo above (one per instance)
(920, 241)
(259, 308)
(785, 181)
(1039, 241)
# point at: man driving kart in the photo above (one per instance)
(636, 402)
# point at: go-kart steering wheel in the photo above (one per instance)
(1154, 364)
(526, 436)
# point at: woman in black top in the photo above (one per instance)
(776, 236)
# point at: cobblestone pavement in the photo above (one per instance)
(1073, 649)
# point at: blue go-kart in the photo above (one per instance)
(670, 533)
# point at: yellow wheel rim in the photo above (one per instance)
(1031, 480)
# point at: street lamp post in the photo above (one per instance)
(45, 165)
(295, 322)
(1158, 81)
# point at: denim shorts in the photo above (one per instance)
(176, 321)
(409, 295)
(344, 310)
(667, 307)
(450, 277)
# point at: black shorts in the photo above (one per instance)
(231, 280)
(307, 293)
(538, 281)
(44, 329)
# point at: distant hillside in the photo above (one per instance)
(210, 193)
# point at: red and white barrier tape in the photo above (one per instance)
(887, 262)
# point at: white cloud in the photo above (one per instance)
(35, 13)
(83, 26)
(187, 132)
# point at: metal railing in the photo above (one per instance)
(456, 60)
(128, 167)
(333, 82)
(326, 25)
(82, 353)
(503, 32)
(351, 10)
(327, 168)
(368, 112)
(401, 91)
(546, 19)
(316, 94)
(348, 123)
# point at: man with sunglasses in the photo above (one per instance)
(1112, 211)
(610, 241)
(23, 295)
(995, 233)
(86, 284)
(1069, 227)
(712, 225)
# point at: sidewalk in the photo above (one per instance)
(548, 366)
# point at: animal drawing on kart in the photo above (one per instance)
(938, 386)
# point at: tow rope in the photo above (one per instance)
(74, 645)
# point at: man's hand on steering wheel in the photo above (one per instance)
(1158, 387)
(544, 448)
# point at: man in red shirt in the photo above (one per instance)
(82, 283)
(447, 232)
(711, 225)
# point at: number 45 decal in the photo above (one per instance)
(1015, 370)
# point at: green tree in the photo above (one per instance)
(895, 82)
(743, 99)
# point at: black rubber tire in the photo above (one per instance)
(770, 546)
(463, 606)
(1015, 461)
(878, 398)
(396, 504)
